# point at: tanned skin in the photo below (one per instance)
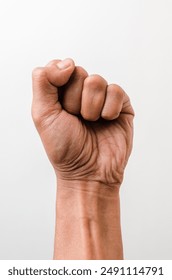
(86, 127)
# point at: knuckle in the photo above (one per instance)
(81, 70)
(95, 82)
(38, 73)
(117, 91)
(80, 73)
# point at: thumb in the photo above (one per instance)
(45, 82)
(59, 71)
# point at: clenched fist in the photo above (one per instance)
(86, 127)
(84, 123)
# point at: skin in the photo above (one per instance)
(86, 127)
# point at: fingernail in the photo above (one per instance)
(64, 64)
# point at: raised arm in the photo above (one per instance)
(86, 127)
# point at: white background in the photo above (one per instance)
(129, 42)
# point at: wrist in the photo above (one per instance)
(92, 188)
(88, 213)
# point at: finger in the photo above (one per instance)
(113, 102)
(93, 96)
(71, 101)
(47, 79)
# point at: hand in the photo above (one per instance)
(85, 124)
(86, 127)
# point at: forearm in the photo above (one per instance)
(87, 221)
